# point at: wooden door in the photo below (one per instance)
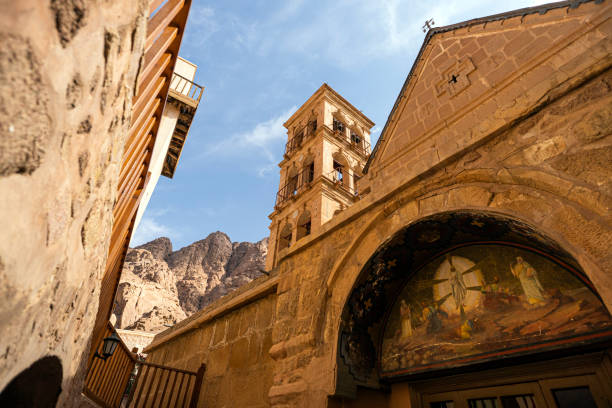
(585, 391)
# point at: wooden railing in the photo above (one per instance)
(155, 385)
(186, 90)
(340, 180)
(362, 146)
(165, 27)
(106, 380)
(161, 386)
(300, 137)
(295, 185)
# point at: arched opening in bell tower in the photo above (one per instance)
(304, 225)
(284, 237)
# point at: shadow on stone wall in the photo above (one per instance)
(38, 386)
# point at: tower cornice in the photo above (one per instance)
(328, 92)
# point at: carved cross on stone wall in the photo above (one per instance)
(455, 78)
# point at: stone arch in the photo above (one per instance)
(304, 224)
(356, 134)
(344, 122)
(355, 326)
(341, 166)
(38, 386)
(482, 191)
(291, 185)
(307, 167)
(312, 122)
(285, 236)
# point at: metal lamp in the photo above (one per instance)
(109, 346)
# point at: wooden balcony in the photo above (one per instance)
(185, 95)
(296, 184)
(185, 90)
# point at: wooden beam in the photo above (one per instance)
(154, 5)
(161, 20)
(147, 100)
(161, 44)
(157, 70)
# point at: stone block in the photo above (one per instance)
(253, 354)
(432, 204)
(265, 312)
(469, 196)
(220, 331)
(591, 200)
(218, 360)
(233, 325)
(530, 206)
(205, 335)
(247, 319)
(541, 180)
(240, 353)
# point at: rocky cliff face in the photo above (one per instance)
(160, 287)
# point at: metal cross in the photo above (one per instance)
(428, 25)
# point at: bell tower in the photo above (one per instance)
(328, 143)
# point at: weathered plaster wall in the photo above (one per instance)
(67, 76)
(234, 348)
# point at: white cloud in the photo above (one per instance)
(149, 229)
(347, 32)
(262, 140)
(201, 26)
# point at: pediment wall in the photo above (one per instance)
(474, 81)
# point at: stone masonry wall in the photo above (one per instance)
(544, 160)
(67, 77)
(234, 348)
(551, 170)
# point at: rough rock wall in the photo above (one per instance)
(159, 287)
(67, 77)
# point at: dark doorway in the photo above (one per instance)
(38, 386)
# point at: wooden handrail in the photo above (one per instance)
(194, 92)
(154, 387)
(169, 368)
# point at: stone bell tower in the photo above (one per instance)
(328, 143)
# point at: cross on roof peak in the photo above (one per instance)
(428, 25)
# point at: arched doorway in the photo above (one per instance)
(38, 386)
(473, 309)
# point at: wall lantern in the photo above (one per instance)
(109, 346)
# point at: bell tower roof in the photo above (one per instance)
(326, 91)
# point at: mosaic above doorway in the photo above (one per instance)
(481, 302)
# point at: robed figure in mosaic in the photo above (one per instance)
(529, 281)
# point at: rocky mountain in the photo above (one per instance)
(160, 287)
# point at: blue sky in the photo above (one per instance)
(261, 59)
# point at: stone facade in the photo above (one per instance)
(523, 132)
(233, 340)
(68, 71)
